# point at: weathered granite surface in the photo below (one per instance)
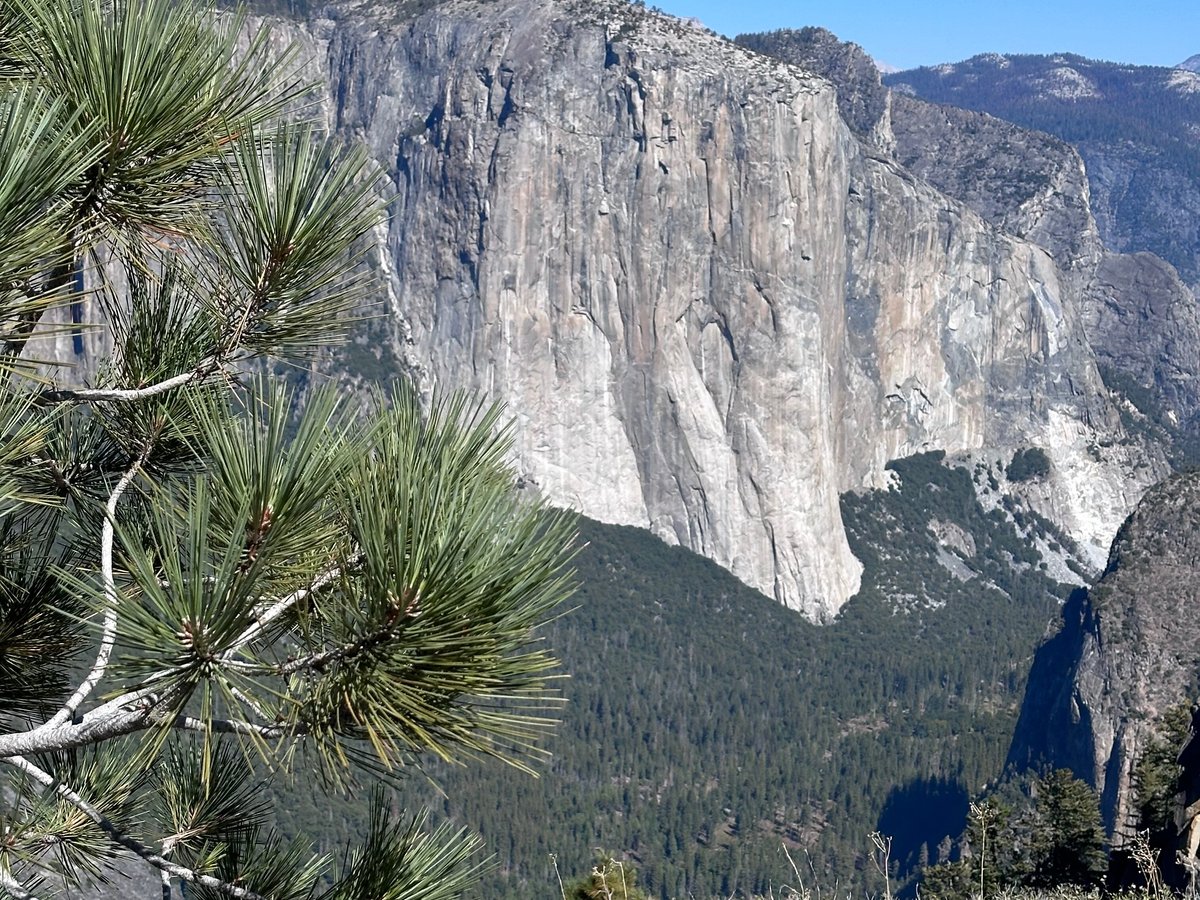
(709, 305)
(1140, 318)
(1127, 651)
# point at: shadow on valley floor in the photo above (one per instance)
(922, 813)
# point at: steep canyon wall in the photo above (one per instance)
(709, 305)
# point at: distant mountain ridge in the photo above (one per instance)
(1136, 127)
(1191, 64)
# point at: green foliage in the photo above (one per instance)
(400, 862)
(707, 727)
(1028, 464)
(1156, 775)
(1067, 839)
(895, 534)
(989, 857)
(1040, 836)
(950, 881)
(610, 879)
(262, 591)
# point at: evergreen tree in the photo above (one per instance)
(1067, 839)
(984, 862)
(196, 584)
(949, 881)
(1156, 775)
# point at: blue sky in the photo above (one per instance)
(925, 32)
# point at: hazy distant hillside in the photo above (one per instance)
(1137, 128)
(1192, 63)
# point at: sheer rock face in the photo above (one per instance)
(1143, 322)
(710, 307)
(1128, 651)
(1141, 203)
(1024, 182)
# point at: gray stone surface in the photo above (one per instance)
(1139, 318)
(710, 306)
(1127, 652)
(1143, 322)
(1134, 126)
(1024, 182)
(863, 101)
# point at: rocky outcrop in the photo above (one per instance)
(1139, 318)
(1024, 182)
(1145, 328)
(863, 101)
(1128, 651)
(1149, 200)
(1134, 126)
(710, 307)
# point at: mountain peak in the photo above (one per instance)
(1192, 63)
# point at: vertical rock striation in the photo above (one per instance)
(709, 305)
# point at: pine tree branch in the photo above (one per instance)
(15, 888)
(237, 726)
(281, 606)
(119, 837)
(129, 713)
(110, 593)
(141, 709)
(317, 662)
(205, 368)
(242, 697)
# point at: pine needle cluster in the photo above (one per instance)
(200, 587)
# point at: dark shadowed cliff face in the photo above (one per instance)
(1128, 651)
(709, 305)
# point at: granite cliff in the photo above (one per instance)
(1128, 651)
(712, 304)
(1135, 126)
(1139, 317)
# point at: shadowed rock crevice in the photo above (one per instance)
(1127, 652)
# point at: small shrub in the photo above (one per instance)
(1030, 464)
